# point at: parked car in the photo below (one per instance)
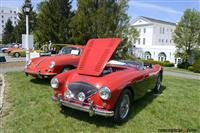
(105, 88)
(9, 50)
(22, 52)
(49, 66)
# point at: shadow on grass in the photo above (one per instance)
(40, 81)
(100, 121)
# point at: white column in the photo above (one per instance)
(27, 40)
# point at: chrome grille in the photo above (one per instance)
(84, 87)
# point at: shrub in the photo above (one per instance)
(165, 63)
(190, 68)
(196, 66)
(183, 65)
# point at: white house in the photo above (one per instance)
(155, 39)
(5, 14)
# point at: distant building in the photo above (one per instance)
(5, 14)
(155, 39)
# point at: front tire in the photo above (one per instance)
(123, 106)
(65, 69)
(16, 55)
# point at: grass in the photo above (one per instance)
(179, 70)
(29, 109)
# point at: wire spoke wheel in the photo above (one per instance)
(124, 106)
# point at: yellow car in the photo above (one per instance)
(22, 52)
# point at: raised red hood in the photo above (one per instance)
(96, 54)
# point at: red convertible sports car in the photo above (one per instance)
(104, 87)
(49, 66)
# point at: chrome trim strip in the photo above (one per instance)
(89, 109)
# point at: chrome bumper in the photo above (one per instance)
(90, 109)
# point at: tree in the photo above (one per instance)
(187, 34)
(53, 21)
(103, 19)
(98, 19)
(21, 26)
(8, 34)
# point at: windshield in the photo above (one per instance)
(70, 50)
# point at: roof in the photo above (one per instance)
(156, 20)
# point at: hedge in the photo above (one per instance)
(165, 63)
(196, 66)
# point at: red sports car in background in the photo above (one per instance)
(49, 66)
(105, 88)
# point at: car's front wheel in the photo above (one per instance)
(16, 55)
(123, 106)
(65, 69)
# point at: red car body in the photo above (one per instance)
(40, 67)
(98, 86)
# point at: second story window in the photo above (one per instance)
(143, 41)
(138, 40)
(166, 41)
(10, 11)
(163, 30)
(139, 30)
(2, 21)
(2, 16)
(144, 30)
(160, 30)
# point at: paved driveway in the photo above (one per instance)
(178, 74)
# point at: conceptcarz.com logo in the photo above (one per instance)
(183, 130)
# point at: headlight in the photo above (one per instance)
(68, 94)
(54, 83)
(81, 96)
(105, 93)
(52, 64)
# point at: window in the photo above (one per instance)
(160, 30)
(15, 17)
(166, 41)
(2, 21)
(2, 16)
(144, 30)
(143, 41)
(162, 40)
(14, 12)
(163, 30)
(15, 22)
(10, 11)
(2, 11)
(159, 40)
(139, 30)
(2, 26)
(138, 40)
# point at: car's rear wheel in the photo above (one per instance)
(123, 106)
(17, 55)
(157, 88)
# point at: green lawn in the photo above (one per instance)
(179, 70)
(29, 109)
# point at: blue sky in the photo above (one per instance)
(168, 10)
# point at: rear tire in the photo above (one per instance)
(157, 88)
(123, 106)
(17, 55)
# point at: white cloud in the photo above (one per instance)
(154, 7)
